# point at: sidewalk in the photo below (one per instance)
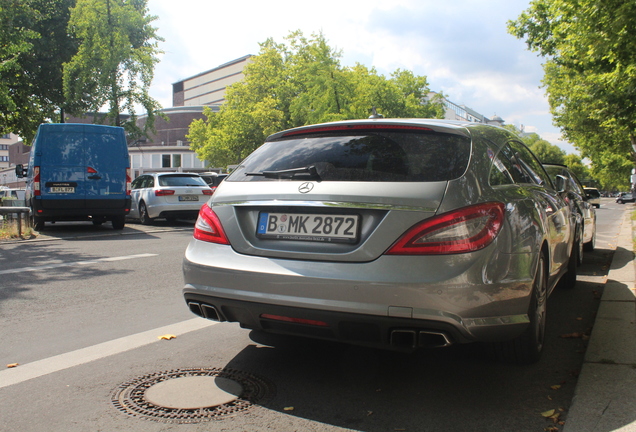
(605, 395)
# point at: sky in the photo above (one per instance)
(461, 46)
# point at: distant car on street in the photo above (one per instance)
(167, 195)
(213, 179)
(625, 198)
(579, 203)
(593, 196)
(393, 233)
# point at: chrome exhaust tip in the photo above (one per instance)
(430, 339)
(210, 312)
(195, 308)
(404, 338)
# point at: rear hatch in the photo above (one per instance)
(182, 189)
(322, 193)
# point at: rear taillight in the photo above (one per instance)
(208, 227)
(36, 181)
(163, 192)
(465, 230)
(208, 191)
(128, 180)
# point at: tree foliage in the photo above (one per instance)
(590, 75)
(297, 83)
(114, 64)
(34, 44)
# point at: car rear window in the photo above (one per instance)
(181, 180)
(377, 156)
(593, 193)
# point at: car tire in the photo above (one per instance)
(143, 214)
(589, 246)
(119, 222)
(619, 201)
(37, 223)
(527, 348)
(568, 280)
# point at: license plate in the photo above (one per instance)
(188, 198)
(308, 227)
(60, 189)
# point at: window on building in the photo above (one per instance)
(165, 161)
(176, 160)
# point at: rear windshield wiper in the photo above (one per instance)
(288, 173)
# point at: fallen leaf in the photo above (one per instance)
(166, 337)
(579, 319)
(288, 408)
(548, 413)
(572, 335)
(369, 413)
(12, 365)
(555, 387)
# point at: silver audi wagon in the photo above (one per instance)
(394, 233)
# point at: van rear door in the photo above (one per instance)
(61, 163)
(106, 163)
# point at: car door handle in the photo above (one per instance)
(95, 177)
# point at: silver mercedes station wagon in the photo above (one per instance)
(392, 233)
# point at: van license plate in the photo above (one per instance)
(60, 189)
(188, 198)
(308, 227)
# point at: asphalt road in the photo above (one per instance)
(82, 309)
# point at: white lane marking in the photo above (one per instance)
(74, 263)
(57, 363)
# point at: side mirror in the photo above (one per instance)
(562, 184)
(20, 171)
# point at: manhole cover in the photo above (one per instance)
(191, 395)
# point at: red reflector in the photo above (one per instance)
(163, 192)
(91, 170)
(295, 320)
(208, 191)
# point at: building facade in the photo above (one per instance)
(208, 88)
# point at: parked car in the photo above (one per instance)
(213, 179)
(12, 197)
(167, 195)
(579, 204)
(625, 198)
(78, 172)
(393, 233)
(593, 196)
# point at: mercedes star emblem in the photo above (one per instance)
(305, 187)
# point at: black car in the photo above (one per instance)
(625, 198)
(580, 203)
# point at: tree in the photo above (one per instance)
(590, 72)
(575, 164)
(298, 83)
(546, 152)
(114, 64)
(34, 44)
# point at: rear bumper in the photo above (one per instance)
(364, 303)
(79, 209)
(381, 332)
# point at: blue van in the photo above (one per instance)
(78, 172)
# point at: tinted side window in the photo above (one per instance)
(533, 171)
(136, 184)
(500, 169)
